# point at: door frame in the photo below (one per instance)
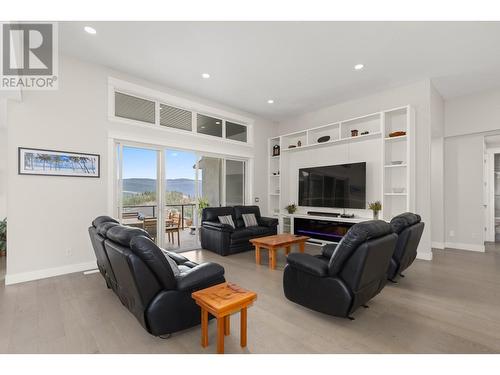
(489, 200)
(115, 187)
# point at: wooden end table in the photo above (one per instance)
(221, 301)
(273, 243)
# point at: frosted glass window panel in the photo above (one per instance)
(134, 108)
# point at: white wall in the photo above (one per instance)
(3, 158)
(49, 216)
(474, 113)
(464, 220)
(467, 120)
(437, 168)
(417, 95)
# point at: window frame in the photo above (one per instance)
(159, 98)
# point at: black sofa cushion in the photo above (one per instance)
(103, 219)
(213, 213)
(122, 235)
(240, 210)
(356, 236)
(246, 234)
(403, 221)
(155, 259)
(103, 228)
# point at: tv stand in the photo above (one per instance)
(321, 230)
(331, 214)
(319, 213)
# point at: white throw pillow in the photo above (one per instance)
(250, 220)
(228, 219)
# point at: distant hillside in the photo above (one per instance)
(141, 185)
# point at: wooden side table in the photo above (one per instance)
(273, 243)
(221, 301)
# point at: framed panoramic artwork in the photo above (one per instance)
(35, 161)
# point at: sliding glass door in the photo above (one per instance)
(186, 179)
(139, 187)
(210, 180)
(180, 200)
(235, 182)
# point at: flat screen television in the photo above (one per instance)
(338, 186)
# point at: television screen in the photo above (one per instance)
(340, 186)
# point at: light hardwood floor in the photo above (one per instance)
(449, 305)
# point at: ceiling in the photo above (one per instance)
(301, 65)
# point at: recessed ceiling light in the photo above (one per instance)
(358, 67)
(90, 30)
(205, 75)
(203, 127)
(217, 122)
(270, 101)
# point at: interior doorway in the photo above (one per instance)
(492, 189)
(496, 192)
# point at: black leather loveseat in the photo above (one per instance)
(155, 285)
(344, 276)
(223, 238)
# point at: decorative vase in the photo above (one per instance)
(375, 215)
(276, 150)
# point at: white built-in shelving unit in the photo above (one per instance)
(397, 156)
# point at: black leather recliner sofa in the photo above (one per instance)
(155, 285)
(344, 276)
(409, 228)
(224, 239)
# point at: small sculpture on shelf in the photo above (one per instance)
(299, 143)
(276, 150)
(354, 132)
(376, 207)
(365, 132)
(291, 208)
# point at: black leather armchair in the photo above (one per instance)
(155, 285)
(409, 228)
(344, 276)
(223, 238)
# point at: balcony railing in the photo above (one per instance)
(187, 211)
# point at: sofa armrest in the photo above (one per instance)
(328, 250)
(177, 258)
(217, 226)
(199, 276)
(308, 263)
(268, 221)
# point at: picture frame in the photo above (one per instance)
(43, 162)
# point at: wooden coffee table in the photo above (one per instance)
(273, 243)
(221, 301)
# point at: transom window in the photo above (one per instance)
(151, 111)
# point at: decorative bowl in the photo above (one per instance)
(397, 134)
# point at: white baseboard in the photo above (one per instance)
(424, 255)
(465, 246)
(48, 272)
(438, 245)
